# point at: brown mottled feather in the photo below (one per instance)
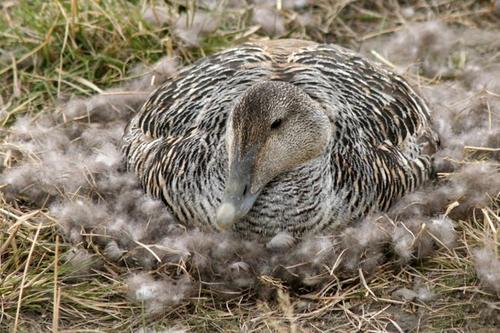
(176, 143)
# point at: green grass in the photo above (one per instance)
(54, 50)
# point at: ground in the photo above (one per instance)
(52, 52)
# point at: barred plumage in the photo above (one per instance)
(178, 144)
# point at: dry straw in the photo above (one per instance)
(82, 249)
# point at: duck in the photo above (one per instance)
(280, 136)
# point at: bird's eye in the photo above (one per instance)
(276, 124)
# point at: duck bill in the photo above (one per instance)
(238, 198)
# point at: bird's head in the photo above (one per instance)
(274, 127)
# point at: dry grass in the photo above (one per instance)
(53, 50)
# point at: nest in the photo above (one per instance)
(79, 232)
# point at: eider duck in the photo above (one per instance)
(280, 136)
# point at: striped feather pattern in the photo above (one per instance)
(176, 143)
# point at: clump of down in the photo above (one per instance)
(418, 237)
(365, 244)
(157, 294)
(69, 161)
(191, 28)
(156, 15)
(487, 264)
(269, 19)
(418, 293)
